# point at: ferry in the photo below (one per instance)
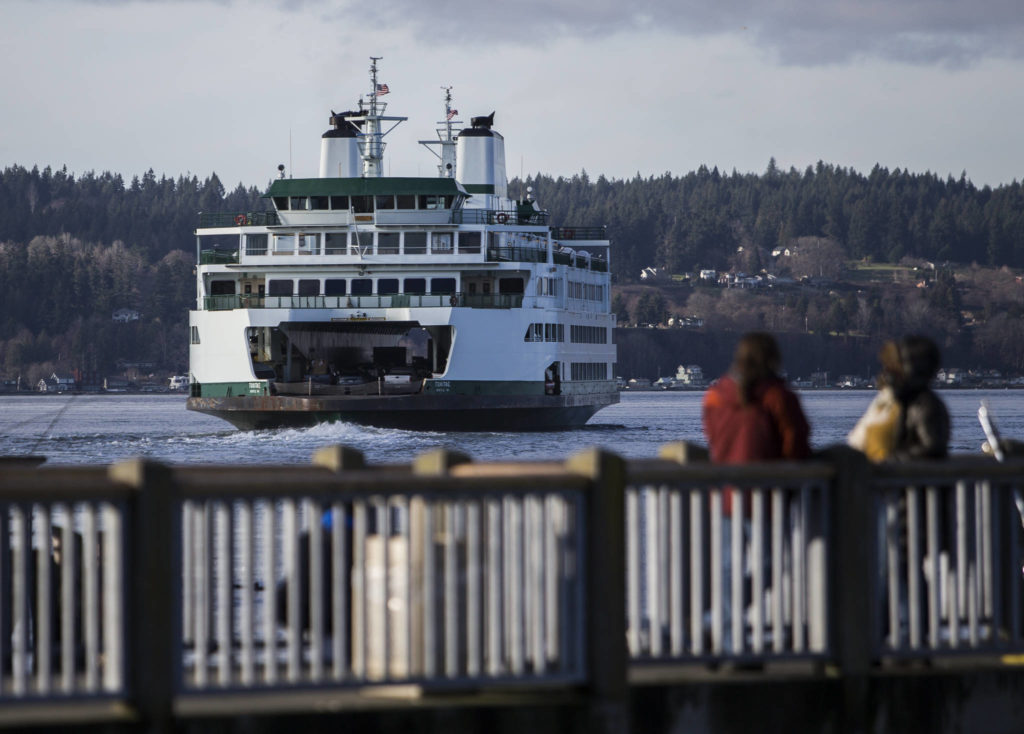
(435, 303)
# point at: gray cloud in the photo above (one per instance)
(952, 33)
(797, 32)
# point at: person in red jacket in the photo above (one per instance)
(750, 414)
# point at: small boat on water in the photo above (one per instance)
(424, 303)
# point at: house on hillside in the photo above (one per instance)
(124, 315)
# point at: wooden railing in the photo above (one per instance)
(146, 592)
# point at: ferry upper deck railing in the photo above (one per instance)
(397, 300)
(238, 219)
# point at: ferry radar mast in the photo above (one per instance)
(446, 168)
(371, 143)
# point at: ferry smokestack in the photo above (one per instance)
(339, 148)
(480, 152)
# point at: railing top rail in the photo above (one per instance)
(195, 482)
(948, 470)
(60, 484)
(647, 471)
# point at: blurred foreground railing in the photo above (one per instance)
(950, 558)
(726, 561)
(151, 592)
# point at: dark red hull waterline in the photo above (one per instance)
(410, 412)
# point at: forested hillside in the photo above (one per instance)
(682, 223)
(73, 249)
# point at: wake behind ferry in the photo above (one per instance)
(422, 303)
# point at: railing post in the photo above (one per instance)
(153, 656)
(683, 452)
(605, 600)
(852, 571)
(339, 458)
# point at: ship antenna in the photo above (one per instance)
(445, 138)
(371, 144)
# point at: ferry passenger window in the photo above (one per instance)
(406, 201)
(318, 202)
(309, 287)
(385, 201)
(447, 201)
(299, 203)
(280, 287)
(441, 242)
(339, 203)
(415, 243)
(387, 243)
(336, 243)
(387, 286)
(415, 285)
(281, 203)
(362, 286)
(442, 285)
(362, 204)
(335, 286)
(222, 288)
(430, 201)
(511, 285)
(256, 244)
(469, 242)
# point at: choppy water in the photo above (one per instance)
(107, 428)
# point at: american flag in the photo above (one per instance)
(452, 113)
(382, 89)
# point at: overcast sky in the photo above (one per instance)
(612, 87)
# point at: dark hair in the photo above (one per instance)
(920, 358)
(757, 358)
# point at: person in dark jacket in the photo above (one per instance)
(750, 414)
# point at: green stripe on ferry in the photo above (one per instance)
(230, 389)
(479, 188)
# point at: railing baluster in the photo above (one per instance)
(495, 588)
(798, 541)
(201, 540)
(892, 546)
(314, 515)
(778, 591)
(474, 631)
(114, 586)
(676, 572)
(696, 572)
(269, 592)
(451, 592)
(6, 592)
(339, 590)
(429, 593)
(633, 573)
(932, 539)
(913, 568)
(225, 584)
(246, 618)
(736, 612)
(43, 622)
(21, 534)
(757, 559)
(90, 597)
(717, 569)
(652, 569)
